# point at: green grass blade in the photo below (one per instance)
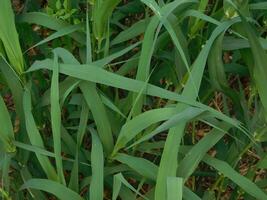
(116, 188)
(60, 191)
(56, 119)
(174, 188)
(142, 166)
(97, 158)
(131, 32)
(224, 168)
(60, 33)
(258, 6)
(102, 10)
(50, 22)
(95, 74)
(5, 168)
(6, 132)
(14, 83)
(35, 149)
(106, 60)
(9, 37)
(83, 123)
(74, 180)
(128, 185)
(186, 115)
(97, 108)
(168, 164)
(143, 69)
(139, 123)
(35, 137)
(195, 155)
(189, 195)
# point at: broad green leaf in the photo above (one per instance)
(174, 188)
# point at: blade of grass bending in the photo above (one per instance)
(139, 123)
(98, 75)
(142, 166)
(195, 155)
(174, 188)
(26, 175)
(35, 137)
(110, 104)
(9, 37)
(97, 160)
(243, 182)
(106, 60)
(41, 151)
(52, 187)
(168, 164)
(56, 119)
(121, 179)
(186, 115)
(60, 33)
(50, 22)
(131, 32)
(35, 149)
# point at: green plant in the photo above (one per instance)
(159, 100)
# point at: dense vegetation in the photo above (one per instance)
(133, 99)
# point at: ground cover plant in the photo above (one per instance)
(133, 99)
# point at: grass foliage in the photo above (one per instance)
(131, 100)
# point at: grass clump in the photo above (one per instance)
(131, 100)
